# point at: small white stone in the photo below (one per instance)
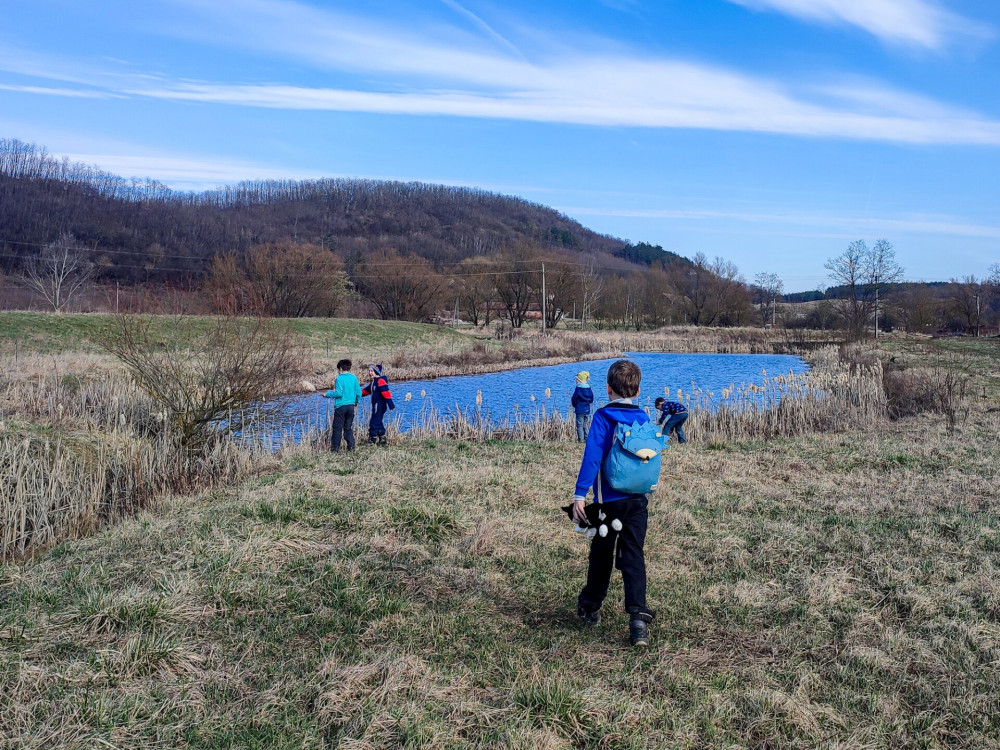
(616, 525)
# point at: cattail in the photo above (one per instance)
(548, 393)
(423, 393)
(532, 397)
(409, 396)
(479, 398)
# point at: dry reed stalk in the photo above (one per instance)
(108, 453)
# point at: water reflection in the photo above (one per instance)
(538, 391)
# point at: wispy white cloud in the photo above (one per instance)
(387, 70)
(183, 172)
(921, 23)
(50, 91)
(863, 225)
(482, 25)
(635, 93)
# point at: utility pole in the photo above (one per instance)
(876, 308)
(977, 316)
(543, 298)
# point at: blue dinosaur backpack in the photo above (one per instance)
(633, 463)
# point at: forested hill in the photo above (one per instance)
(140, 230)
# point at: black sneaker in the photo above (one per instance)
(590, 619)
(638, 632)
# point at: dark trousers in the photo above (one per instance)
(676, 422)
(343, 426)
(376, 428)
(621, 549)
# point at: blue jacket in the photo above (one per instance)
(378, 389)
(583, 397)
(346, 391)
(599, 439)
(669, 408)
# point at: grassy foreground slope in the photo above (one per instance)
(829, 591)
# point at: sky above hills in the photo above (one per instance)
(768, 132)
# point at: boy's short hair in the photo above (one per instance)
(344, 365)
(623, 377)
(659, 402)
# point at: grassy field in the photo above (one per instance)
(50, 333)
(837, 590)
(834, 590)
(976, 357)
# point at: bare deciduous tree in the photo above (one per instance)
(401, 288)
(967, 301)
(562, 288)
(60, 273)
(477, 289)
(285, 280)
(865, 272)
(515, 282)
(591, 286)
(919, 310)
(771, 287)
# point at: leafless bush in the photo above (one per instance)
(212, 384)
(932, 391)
(96, 451)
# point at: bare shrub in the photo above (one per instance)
(932, 391)
(210, 385)
(96, 451)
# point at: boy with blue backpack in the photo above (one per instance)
(621, 462)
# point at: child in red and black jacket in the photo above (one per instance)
(378, 389)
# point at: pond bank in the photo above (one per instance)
(563, 347)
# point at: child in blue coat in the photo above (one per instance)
(673, 415)
(582, 398)
(621, 548)
(378, 389)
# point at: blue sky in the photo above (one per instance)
(767, 132)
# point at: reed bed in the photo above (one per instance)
(75, 456)
(839, 392)
(832, 396)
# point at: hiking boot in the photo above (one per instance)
(638, 625)
(638, 633)
(590, 619)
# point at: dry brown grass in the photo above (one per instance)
(828, 590)
(76, 455)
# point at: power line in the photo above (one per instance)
(445, 272)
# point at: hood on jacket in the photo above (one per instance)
(625, 413)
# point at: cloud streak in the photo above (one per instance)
(630, 93)
(387, 70)
(920, 23)
(921, 224)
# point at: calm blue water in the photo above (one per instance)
(508, 395)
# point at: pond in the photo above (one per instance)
(537, 391)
